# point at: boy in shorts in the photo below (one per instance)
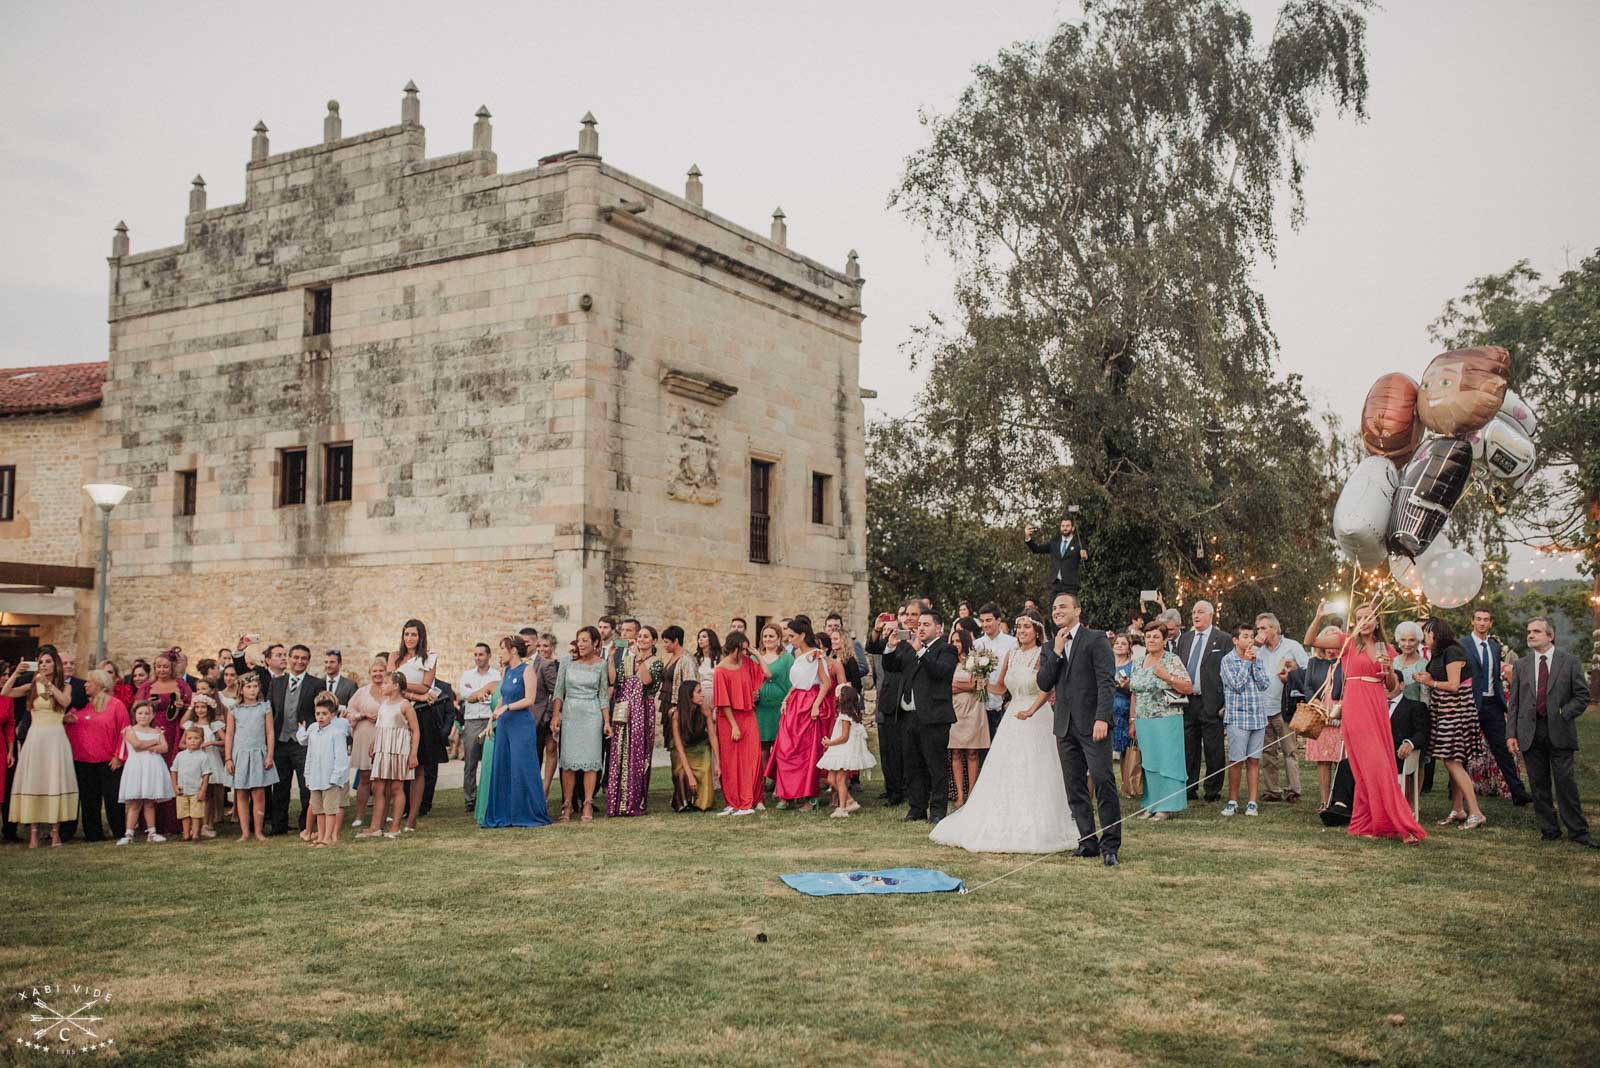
(327, 743)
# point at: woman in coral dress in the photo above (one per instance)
(1380, 809)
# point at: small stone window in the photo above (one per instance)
(8, 494)
(188, 492)
(338, 469)
(821, 497)
(291, 477)
(319, 311)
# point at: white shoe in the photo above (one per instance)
(1231, 809)
(208, 832)
(727, 811)
(125, 839)
(745, 812)
(853, 806)
(840, 814)
(760, 807)
(355, 823)
(154, 837)
(1250, 809)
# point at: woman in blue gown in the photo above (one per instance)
(516, 789)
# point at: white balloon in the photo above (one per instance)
(1502, 449)
(1519, 412)
(1361, 518)
(1409, 572)
(1451, 578)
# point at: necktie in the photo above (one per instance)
(1063, 548)
(1542, 689)
(291, 704)
(330, 683)
(1194, 657)
(1483, 658)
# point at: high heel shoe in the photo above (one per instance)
(1454, 817)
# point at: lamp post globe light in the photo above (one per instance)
(106, 496)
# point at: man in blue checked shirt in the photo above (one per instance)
(1244, 713)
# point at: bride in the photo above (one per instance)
(1019, 803)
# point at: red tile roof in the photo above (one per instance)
(62, 387)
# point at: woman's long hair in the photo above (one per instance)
(713, 645)
(422, 642)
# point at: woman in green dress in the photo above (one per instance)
(769, 700)
(1155, 725)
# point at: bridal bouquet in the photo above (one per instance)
(981, 664)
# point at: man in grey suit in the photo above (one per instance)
(1079, 667)
(1548, 694)
(333, 680)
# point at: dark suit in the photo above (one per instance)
(1410, 722)
(289, 756)
(1549, 743)
(1064, 565)
(1084, 692)
(925, 729)
(241, 665)
(888, 717)
(545, 672)
(1488, 693)
(1202, 719)
(444, 713)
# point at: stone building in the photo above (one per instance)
(388, 385)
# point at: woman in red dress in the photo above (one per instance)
(1380, 809)
(735, 682)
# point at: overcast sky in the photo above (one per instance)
(1481, 148)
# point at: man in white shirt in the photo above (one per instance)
(1273, 650)
(994, 639)
(474, 688)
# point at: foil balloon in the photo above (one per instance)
(1462, 390)
(1450, 579)
(1429, 488)
(1501, 491)
(1503, 450)
(1361, 517)
(1389, 426)
(1520, 412)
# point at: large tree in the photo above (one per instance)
(1108, 194)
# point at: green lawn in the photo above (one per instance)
(1218, 942)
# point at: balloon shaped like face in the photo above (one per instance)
(1462, 390)
(1429, 488)
(1389, 425)
(1450, 579)
(1361, 518)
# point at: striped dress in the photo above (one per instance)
(1456, 734)
(392, 753)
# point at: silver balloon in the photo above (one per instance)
(1450, 579)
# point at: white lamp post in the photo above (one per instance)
(106, 496)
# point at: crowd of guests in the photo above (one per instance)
(782, 715)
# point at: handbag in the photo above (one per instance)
(1310, 719)
(1136, 774)
(619, 712)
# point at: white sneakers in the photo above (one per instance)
(1231, 808)
(744, 812)
(154, 837)
(727, 811)
(125, 839)
(840, 814)
(1250, 809)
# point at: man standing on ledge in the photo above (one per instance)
(1079, 667)
(1066, 553)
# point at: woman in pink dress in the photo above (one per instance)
(1380, 809)
(170, 695)
(793, 763)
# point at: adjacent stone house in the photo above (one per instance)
(387, 385)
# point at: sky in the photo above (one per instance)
(1480, 149)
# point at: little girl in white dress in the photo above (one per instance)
(846, 752)
(146, 778)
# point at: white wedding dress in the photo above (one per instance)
(1019, 803)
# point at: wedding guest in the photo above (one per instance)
(1067, 553)
(1379, 809)
(8, 746)
(547, 668)
(1280, 745)
(928, 663)
(994, 639)
(206, 712)
(327, 745)
(394, 756)
(1244, 713)
(635, 676)
(95, 734)
(737, 678)
(1408, 721)
(362, 712)
(1548, 693)
(119, 686)
(191, 781)
(969, 735)
(845, 753)
(686, 729)
(294, 701)
(80, 696)
(793, 763)
(888, 706)
(420, 667)
(1122, 747)
(1456, 735)
(249, 752)
(229, 690)
(776, 659)
(1322, 679)
(475, 686)
(44, 791)
(169, 696)
(1485, 659)
(577, 717)
(1156, 725)
(1201, 650)
(146, 775)
(515, 783)
(709, 654)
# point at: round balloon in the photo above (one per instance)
(1429, 488)
(1361, 517)
(1409, 572)
(1389, 425)
(1450, 579)
(1462, 390)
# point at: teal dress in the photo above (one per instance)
(769, 700)
(1158, 727)
(580, 688)
(486, 765)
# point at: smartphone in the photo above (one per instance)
(1147, 595)
(903, 635)
(30, 665)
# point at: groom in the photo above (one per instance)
(1079, 667)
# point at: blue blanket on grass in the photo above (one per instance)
(887, 881)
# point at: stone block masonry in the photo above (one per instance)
(552, 384)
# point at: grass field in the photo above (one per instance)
(633, 942)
